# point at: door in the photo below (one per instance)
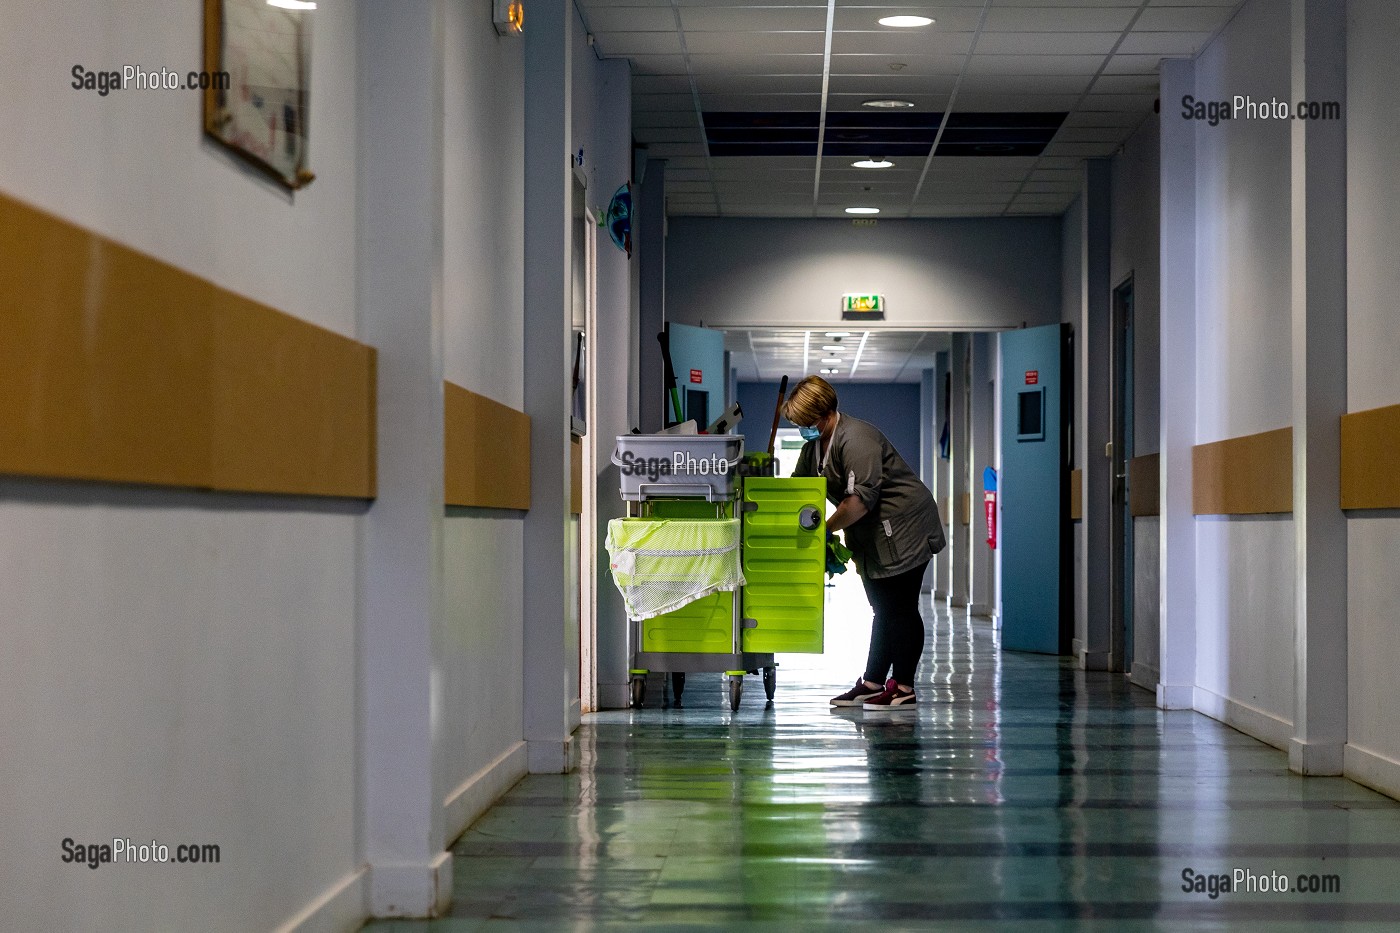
(698, 356)
(784, 564)
(1036, 535)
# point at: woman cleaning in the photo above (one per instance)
(891, 525)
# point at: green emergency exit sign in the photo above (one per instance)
(865, 307)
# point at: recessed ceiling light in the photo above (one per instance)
(887, 103)
(832, 348)
(862, 210)
(831, 359)
(830, 372)
(838, 333)
(873, 163)
(905, 22)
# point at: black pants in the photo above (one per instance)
(897, 634)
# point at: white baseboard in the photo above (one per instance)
(1175, 696)
(614, 696)
(1322, 758)
(1372, 769)
(411, 889)
(1144, 676)
(471, 798)
(1264, 726)
(341, 909)
(552, 757)
(1076, 647)
(1095, 660)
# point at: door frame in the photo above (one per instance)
(1121, 435)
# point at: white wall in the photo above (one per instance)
(483, 347)
(971, 274)
(182, 665)
(1243, 363)
(1373, 380)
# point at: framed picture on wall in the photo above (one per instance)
(260, 113)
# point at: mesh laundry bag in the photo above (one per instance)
(662, 564)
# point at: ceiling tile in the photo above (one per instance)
(628, 44)
(1047, 43)
(1032, 19)
(754, 43)
(755, 63)
(752, 19)
(1164, 43)
(1184, 18)
(1034, 64)
(1126, 84)
(631, 19)
(1134, 65)
(902, 45)
(1024, 84)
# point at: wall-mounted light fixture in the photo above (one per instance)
(508, 16)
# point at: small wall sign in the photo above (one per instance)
(863, 307)
(1032, 377)
(697, 376)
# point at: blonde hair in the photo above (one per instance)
(809, 400)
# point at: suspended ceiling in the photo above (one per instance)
(865, 356)
(1010, 97)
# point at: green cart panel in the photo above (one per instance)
(784, 565)
(705, 626)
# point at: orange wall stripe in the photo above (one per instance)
(1371, 459)
(1076, 495)
(1251, 475)
(486, 451)
(117, 367)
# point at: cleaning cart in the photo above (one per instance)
(719, 571)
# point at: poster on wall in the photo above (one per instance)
(261, 115)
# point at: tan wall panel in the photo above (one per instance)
(1371, 459)
(108, 372)
(1076, 495)
(321, 388)
(487, 451)
(1145, 485)
(1250, 475)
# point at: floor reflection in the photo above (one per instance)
(1021, 793)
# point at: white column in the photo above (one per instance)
(400, 273)
(610, 382)
(983, 596)
(551, 643)
(649, 237)
(1176, 685)
(959, 539)
(928, 448)
(1319, 191)
(943, 479)
(1094, 346)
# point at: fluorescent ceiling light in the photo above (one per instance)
(831, 359)
(838, 333)
(887, 103)
(292, 4)
(832, 348)
(862, 210)
(873, 163)
(830, 372)
(905, 22)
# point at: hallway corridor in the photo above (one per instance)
(1023, 793)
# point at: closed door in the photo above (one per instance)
(1036, 556)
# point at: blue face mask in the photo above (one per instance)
(810, 433)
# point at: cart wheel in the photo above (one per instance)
(736, 690)
(677, 686)
(770, 681)
(639, 692)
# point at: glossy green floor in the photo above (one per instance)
(1022, 794)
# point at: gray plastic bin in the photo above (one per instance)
(655, 465)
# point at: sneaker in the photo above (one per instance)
(892, 697)
(856, 695)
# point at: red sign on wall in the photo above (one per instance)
(697, 376)
(1032, 377)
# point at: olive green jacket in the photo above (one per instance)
(901, 528)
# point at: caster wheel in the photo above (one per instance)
(677, 686)
(639, 692)
(736, 691)
(770, 681)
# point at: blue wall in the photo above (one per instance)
(891, 407)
